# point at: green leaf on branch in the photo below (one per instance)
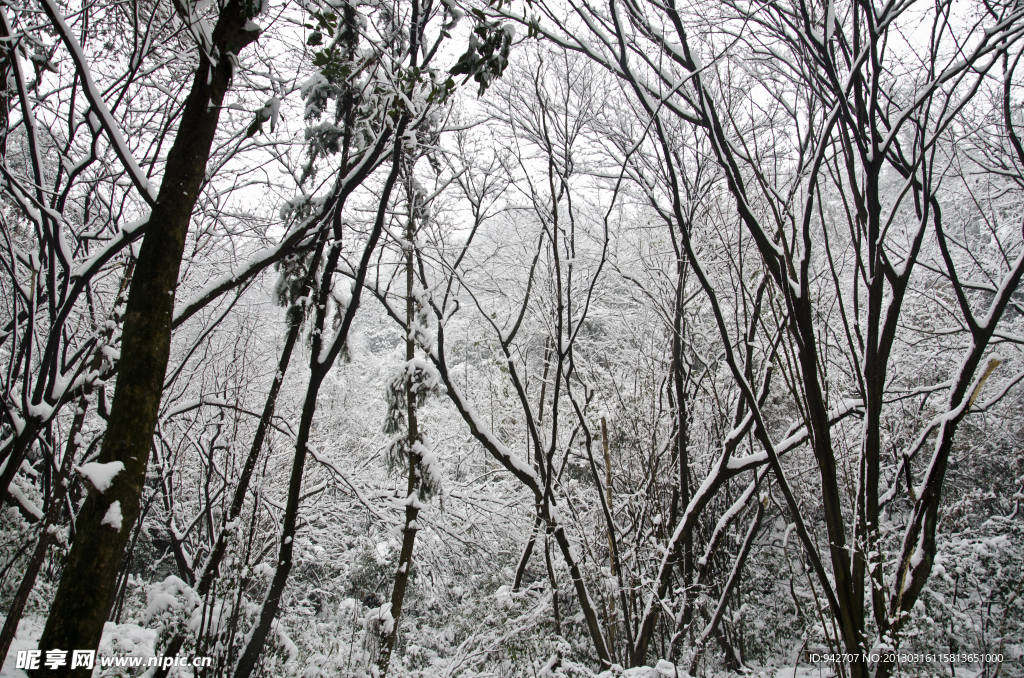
(487, 54)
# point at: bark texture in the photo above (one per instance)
(87, 585)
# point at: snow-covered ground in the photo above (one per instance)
(128, 640)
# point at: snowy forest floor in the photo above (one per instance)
(132, 640)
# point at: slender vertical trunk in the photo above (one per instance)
(86, 588)
(539, 460)
(319, 366)
(212, 565)
(875, 367)
(682, 422)
(683, 554)
(553, 583)
(211, 568)
(527, 552)
(412, 510)
(611, 538)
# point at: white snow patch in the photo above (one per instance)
(100, 476)
(113, 517)
(126, 639)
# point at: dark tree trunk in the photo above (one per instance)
(86, 588)
(525, 558)
(612, 569)
(412, 511)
